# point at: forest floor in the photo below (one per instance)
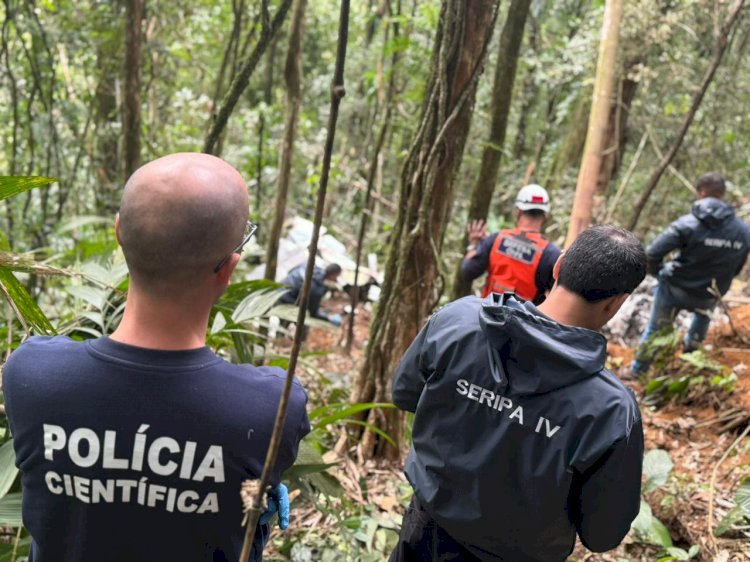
(696, 430)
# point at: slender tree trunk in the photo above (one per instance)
(131, 107)
(614, 144)
(412, 276)
(371, 175)
(242, 78)
(580, 216)
(293, 80)
(721, 46)
(13, 156)
(502, 95)
(106, 158)
(267, 100)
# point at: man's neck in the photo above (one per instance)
(530, 224)
(569, 309)
(162, 325)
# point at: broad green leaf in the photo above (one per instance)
(289, 313)
(678, 553)
(8, 470)
(694, 550)
(742, 497)
(656, 466)
(13, 185)
(218, 323)
(345, 412)
(649, 529)
(10, 510)
(734, 516)
(256, 305)
(24, 305)
(93, 296)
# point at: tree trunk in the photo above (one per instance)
(409, 290)
(502, 95)
(293, 81)
(105, 157)
(372, 173)
(267, 100)
(614, 144)
(721, 46)
(131, 108)
(601, 103)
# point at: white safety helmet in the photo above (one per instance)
(533, 196)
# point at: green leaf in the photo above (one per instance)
(256, 305)
(93, 296)
(734, 516)
(656, 466)
(694, 550)
(24, 305)
(678, 553)
(649, 529)
(742, 497)
(289, 313)
(218, 324)
(10, 510)
(13, 185)
(346, 412)
(8, 470)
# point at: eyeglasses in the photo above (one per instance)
(250, 229)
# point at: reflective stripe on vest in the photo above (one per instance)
(514, 259)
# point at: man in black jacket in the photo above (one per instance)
(521, 437)
(713, 246)
(318, 289)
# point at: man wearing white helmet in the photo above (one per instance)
(517, 260)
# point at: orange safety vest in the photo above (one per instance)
(514, 259)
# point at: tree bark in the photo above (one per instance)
(105, 157)
(131, 108)
(721, 46)
(242, 78)
(409, 290)
(267, 100)
(502, 95)
(293, 80)
(580, 216)
(371, 175)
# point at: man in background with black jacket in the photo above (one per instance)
(318, 289)
(521, 437)
(713, 246)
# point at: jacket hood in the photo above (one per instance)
(532, 354)
(712, 212)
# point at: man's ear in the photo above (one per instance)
(225, 273)
(117, 228)
(556, 268)
(613, 304)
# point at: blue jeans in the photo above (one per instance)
(668, 301)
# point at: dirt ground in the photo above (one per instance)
(696, 431)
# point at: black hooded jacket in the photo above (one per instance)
(521, 437)
(712, 244)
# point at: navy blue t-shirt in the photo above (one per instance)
(130, 454)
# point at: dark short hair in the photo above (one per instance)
(712, 184)
(333, 269)
(604, 261)
(535, 213)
